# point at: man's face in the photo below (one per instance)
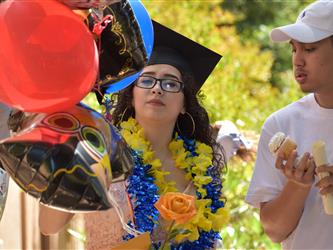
(313, 66)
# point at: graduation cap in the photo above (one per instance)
(183, 53)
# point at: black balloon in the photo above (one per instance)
(122, 49)
(87, 4)
(67, 159)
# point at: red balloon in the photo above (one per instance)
(48, 57)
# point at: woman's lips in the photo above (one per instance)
(155, 102)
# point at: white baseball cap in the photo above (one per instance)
(313, 24)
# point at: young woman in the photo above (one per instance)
(161, 119)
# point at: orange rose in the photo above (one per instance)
(176, 206)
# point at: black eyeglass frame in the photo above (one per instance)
(160, 82)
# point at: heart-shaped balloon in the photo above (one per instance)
(49, 59)
(66, 159)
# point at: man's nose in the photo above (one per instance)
(298, 58)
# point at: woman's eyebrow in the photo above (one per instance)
(170, 75)
(149, 73)
(152, 73)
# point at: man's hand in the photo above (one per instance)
(325, 185)
(302, 172)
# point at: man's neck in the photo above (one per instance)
(324, 101)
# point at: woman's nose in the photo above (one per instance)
(157, 89)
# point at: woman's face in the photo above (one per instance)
(155, 104)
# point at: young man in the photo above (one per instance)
(288, 194)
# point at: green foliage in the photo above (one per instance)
(91, 101)
(244, 230)
(256, 18)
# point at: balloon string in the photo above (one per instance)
(98, 90)
(108, 104)
(98, 28)
(121, 216)
(105, 101)
(101, 25)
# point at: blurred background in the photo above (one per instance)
(253, 79)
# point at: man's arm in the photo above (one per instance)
(281, 215)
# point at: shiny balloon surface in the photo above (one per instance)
(66, 159)
(125, 43)
(49, 59)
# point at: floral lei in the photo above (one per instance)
(147, 182)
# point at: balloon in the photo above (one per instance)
(147, 33)
(121, 84)
(145, 24)
(67, 159)
(124, 47)
(49, 60)
(87, 4)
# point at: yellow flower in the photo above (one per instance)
(168, 187)
(192, 233)
(126, 134)
(204, 223)
(156, 164)
(188, 176)
(159, 175)
(202, 162)
(180, 160)
(202, 180)
(204, 149)
(219, 219)
(176, 146)
(130, 125)
(202, 191)
(148, 156)
(135, 142)
(141, 134)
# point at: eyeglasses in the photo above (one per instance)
(168, 85)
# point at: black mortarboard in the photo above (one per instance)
(183, 53)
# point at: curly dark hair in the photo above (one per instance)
(203, 131)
